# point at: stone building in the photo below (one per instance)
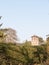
(36, 40)
(8, 35)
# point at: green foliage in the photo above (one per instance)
(47, 40)
(24, 54)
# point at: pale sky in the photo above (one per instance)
(27, 17)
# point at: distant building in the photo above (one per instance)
(35, 40)
(8, 35)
